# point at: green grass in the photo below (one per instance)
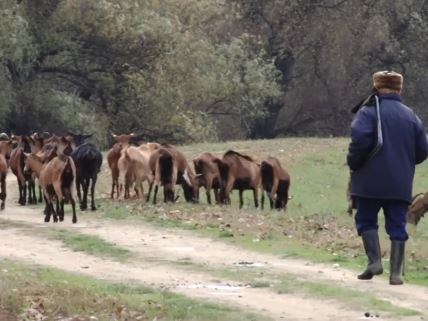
(315, 225)
(352, 298)
(285, 283)
(91, 244)
(66, 294)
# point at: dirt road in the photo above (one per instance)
(157, 250)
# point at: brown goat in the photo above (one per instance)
(5, 150)
(134, 169)
(57, 178)
(169, 167)
(275, 182)
(350, 200)
(113, 155)
(207, 175)
(417, 208)
(239, 172)
(17, 160)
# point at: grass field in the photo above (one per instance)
(39, 293)
(315, 225)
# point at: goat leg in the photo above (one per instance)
(55, 216)
(61, 212)
(30, 195)
(73, 207)
(256, 196)
(150, 191)
(84, 203)
(40, 194)
(262, 200)
(49, 208)
(79, 194)
(155, 193)
(3, 190)
(241, 200)
(216, 196)
(113, 184)
(94, 181)
(208, 192)
(33, 188)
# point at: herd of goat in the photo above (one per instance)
(61, 164)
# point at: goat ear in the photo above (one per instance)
(88, 136)
(27, 154)
(71, 133)
(113, 135)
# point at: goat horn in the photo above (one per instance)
(187, 178)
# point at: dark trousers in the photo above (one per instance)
(395, 212)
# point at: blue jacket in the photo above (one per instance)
(389, 174)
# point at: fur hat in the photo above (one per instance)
(388, 80)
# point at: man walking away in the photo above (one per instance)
(387, 141)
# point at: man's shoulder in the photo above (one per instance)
(367, 110)
(403, 108)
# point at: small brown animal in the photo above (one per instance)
(134, 169)
(16, 162)
(276, 183)
(113, 155)
(57, 179)
(169, 167)
(417, 208)
(5, 150)
(241, 172)
(207, 175)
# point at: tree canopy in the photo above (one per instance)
(198, 70)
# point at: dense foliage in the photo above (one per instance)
(197, 70)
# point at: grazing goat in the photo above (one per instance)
(169, 167)
(57, 179)
(417, 208)
(207, 175)
(88, 160)
(5, 150)
(275, 182)
(134, 169)
(239, 172)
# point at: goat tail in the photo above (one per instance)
(223, 168)
(266, 170)
(198, 166)
(166, 168)
(67, 179)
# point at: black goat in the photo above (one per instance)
(88, 160)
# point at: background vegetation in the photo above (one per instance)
(187, 70)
